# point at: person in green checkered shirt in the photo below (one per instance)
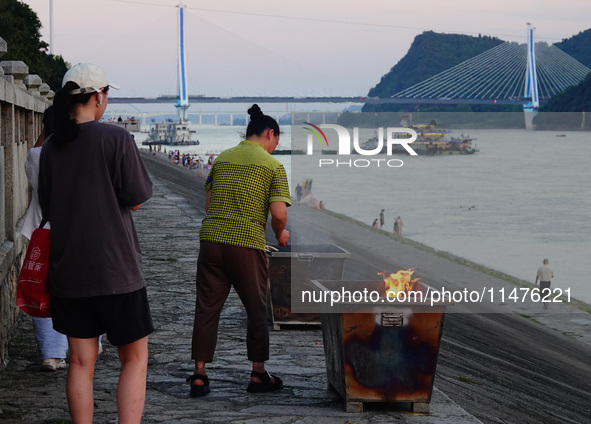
(244, 185)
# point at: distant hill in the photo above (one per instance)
(564, 111)
(578, 46)
(430, 54)
(573, 99)
(578, 97)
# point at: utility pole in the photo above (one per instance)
(50, 26)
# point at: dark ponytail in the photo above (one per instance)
(65, 128)
(48, 121)
(259, 122)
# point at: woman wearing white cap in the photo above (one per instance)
(91, 178)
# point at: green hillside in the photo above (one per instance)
(573, 99)
(429, 54)
(578, 46)
(564, 111)
(576, 98)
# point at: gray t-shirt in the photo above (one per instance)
(85, 190)
(545, 273)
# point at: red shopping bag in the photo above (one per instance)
(32, 294)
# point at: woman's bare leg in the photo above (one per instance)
(83, 353)
(131, 390)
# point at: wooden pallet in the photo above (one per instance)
(415, 407)
(278, 325)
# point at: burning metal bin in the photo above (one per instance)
(290, 270)
(381, 351)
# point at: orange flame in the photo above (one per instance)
(399, 282)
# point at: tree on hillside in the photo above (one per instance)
(20, 28)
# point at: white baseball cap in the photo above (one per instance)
(89, 77)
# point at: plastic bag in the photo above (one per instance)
(32, 294)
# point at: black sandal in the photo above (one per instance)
(265, 385)
(198, 391)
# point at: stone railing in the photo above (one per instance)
(23, 98)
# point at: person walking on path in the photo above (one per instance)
(382, 219)
(545, 275)
(244, 185)
(91, 177)
(52, 345)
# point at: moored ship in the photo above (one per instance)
(170, 133)
(429, 142)
(288, 152)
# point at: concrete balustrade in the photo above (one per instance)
(18, 69)
(44, 89)
(23, 98)
(33, 82)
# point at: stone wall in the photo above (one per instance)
(23, 98)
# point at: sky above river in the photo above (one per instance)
(265, 47)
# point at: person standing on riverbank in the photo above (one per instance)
(398, 226)
(382, 219)
(299, 190)
(91, 177)
(245, 184)
(545, 275)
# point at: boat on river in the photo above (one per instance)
(429, 142)
(288, 152)
(171, 133)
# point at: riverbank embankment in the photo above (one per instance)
(168, 227)
(508, 361)
(514, 366)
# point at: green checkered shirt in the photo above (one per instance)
(243, 181)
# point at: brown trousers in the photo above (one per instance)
(219, 267)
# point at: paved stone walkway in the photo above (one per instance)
(168, 228)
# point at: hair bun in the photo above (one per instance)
(255, 112)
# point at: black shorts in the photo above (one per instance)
(545, 285)
(125, 318)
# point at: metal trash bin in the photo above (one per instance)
(381, 352)
(300, 264)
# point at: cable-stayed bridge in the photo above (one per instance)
(325, 99)
(500, 74)
(510, 73)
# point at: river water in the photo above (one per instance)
(525, 196)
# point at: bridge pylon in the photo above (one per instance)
(183, 101)
(530, 91)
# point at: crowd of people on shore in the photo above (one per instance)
(303, 194)
(192, 160)
(381, 221)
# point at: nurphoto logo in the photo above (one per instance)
(396, 138)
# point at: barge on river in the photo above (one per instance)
(429, 142)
